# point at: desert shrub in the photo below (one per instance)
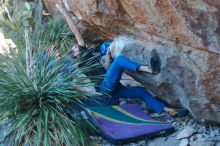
(35, 95)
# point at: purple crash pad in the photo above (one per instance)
(121, 123)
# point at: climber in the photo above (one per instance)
(110, 85)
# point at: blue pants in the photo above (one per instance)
(110, 84)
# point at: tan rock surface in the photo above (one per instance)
(185, 33)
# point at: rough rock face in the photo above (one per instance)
(186, 77)
(185, 33)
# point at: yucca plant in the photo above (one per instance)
(54, 32)
(34, 106)
(34, 98)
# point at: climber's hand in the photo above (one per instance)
(61, 8)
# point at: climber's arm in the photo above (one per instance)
(108, 59)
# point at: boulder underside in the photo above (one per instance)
(185, 33)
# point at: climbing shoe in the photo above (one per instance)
(155, 62)
(180, 113)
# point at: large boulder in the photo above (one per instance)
(188, 77)
(185, 33)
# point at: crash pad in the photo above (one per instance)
(125, 123)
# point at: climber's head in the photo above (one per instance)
(75, 51)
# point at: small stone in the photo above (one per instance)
(174, 134)
(175, 124)
(185, 124)
(141, 143)
(143, 105)
(217, 138)
(191, 121)
(203, 120)
(212, 134)
(206, 136)
(216, 132)
(181, 127)
(186, 132)
(192, 138)
(169, 121)
(96, 138)
(204, 128)
(132, 144)
(199, 130)
(200, 137)
(160, 142)
(184, 142)
(106, 143)
(199, 143)
(122, 102)
(155, 115)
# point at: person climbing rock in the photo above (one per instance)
(110, 84)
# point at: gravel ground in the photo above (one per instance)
(188, 132)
